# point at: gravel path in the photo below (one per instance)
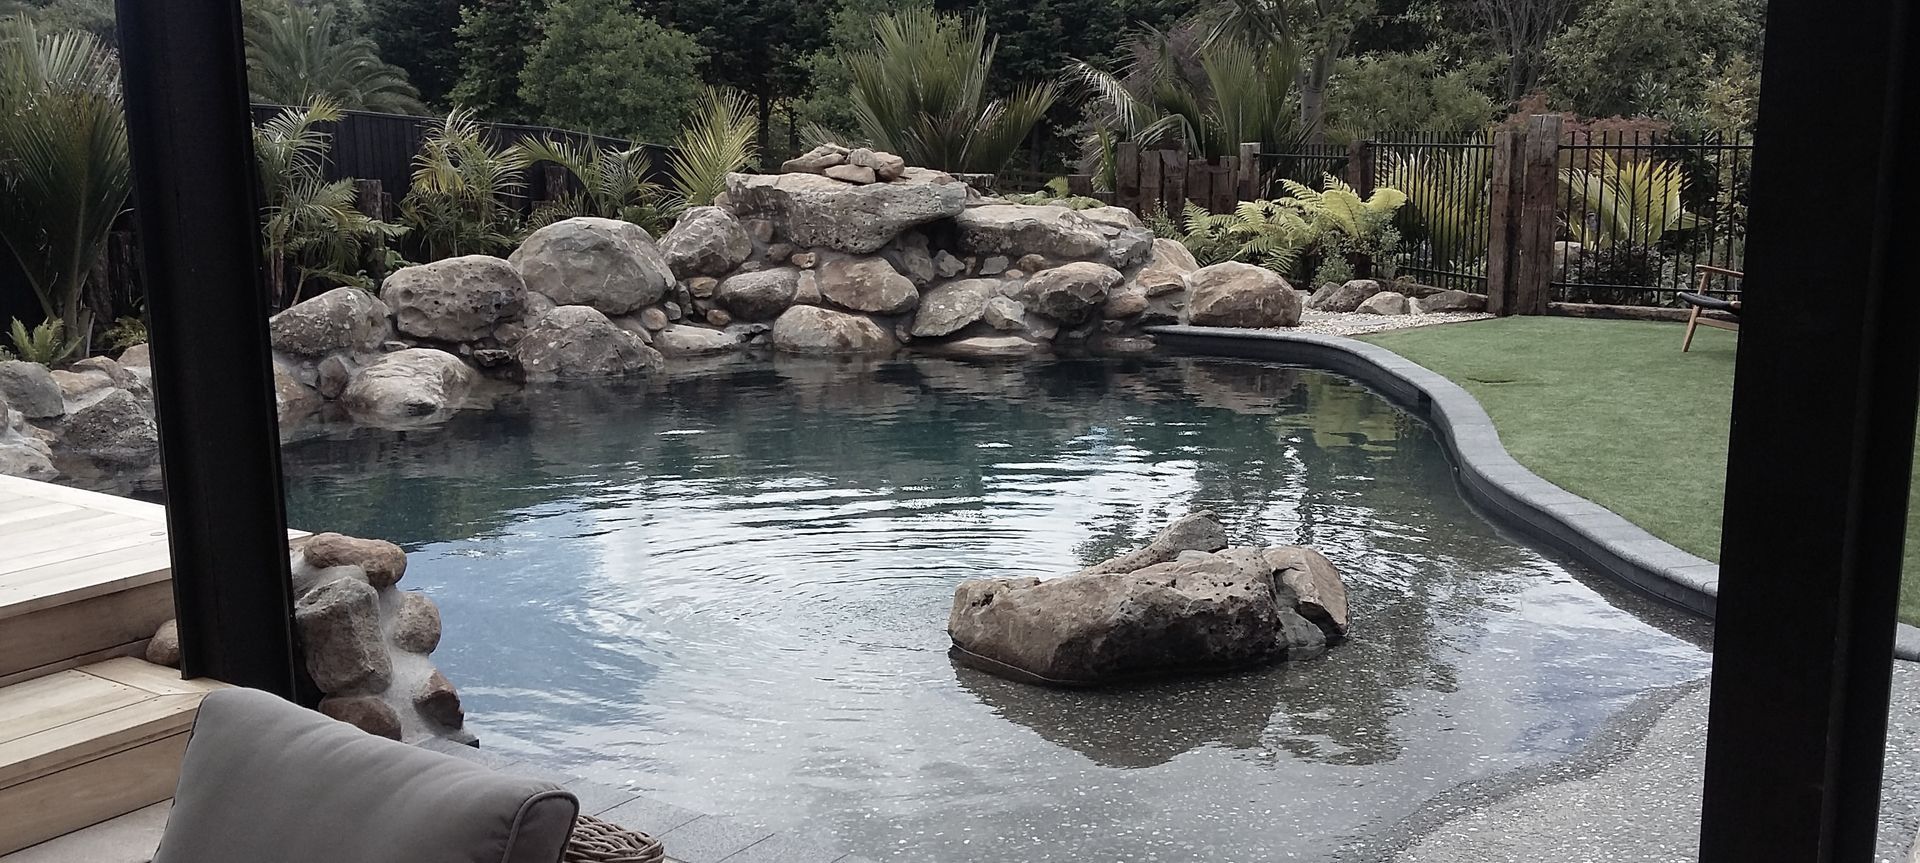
(1641, 802)
(1355, 323)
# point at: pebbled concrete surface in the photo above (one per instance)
(1633, 796)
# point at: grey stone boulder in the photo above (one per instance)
(822, 331)
(1202, 612)
(407, 384)
(1056, 233)
(31, 389)
(810, 210)
(1166, 269)
(761, 295)
(454, 300)
(1319, 594)
(117, 375)
(24, 455)
(140, 357)
(852, 174)
(1384, 303)
(438, 702)
(339, 627)
(1005, 314)
(816, 160)
(368, 713)
(164, 647)
(949, 307)
(1450, 301)
(1345, 297)
(573, 342)
(611, 265)
(1124, 301)
(864, 284)
(1113, 220)
(381, 563)
(115, 428)
(1129, 248)
(343, 320)
(415, 627)
(681, 340)
(885, 166)
(293, 400)
(706, 241)
(1199, 531)
(1234, 294)
(988, 346)
(1070, 294)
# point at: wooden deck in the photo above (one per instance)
(84, 577)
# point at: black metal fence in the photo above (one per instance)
(1446, 225)
(1306, 164)
(1641, 213)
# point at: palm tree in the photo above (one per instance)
(614, 183)
(717, 140)
(920, 93)
(1209, 97)
(459, 203)
(311, 227)
(63, 161)
(298, 53)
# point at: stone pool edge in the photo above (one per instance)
(1594, 535)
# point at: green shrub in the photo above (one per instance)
(46, 344)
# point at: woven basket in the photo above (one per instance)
(596, 841)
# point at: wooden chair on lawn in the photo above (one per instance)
(1701, 301)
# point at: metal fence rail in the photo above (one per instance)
(1446, 224)
(1639, 212)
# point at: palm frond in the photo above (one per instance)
(717, 140)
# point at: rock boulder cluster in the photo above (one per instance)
(97, 408)
(1369, 297)
(365, 642)
(1187, 602)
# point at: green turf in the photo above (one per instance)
(1614, 412)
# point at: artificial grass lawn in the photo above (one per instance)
(1614, 412)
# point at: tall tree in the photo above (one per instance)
(493, 42)
(1522, 29)
(1317, 31)
(759, 47)
(419, 36)
(603, 67)
(1626, 57)
(297, 53)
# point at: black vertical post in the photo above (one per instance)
(1821, 447)
(189, 130)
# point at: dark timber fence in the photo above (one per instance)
(1531, 215)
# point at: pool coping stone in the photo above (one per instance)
(1597, 537)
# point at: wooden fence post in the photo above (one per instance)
(553, 185)
(1150, 192)
(1126, 177)
(370, 197)
(1247, 183)
(1503, 187)
(1173, 182)
(1080, 185)
(1360, 167)
(1539, 205)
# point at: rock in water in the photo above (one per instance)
(1071, 294)
(814, 330)
(579, 342)
(1234, 294)
(455, 300)
(761, 295)
(339, 624)
(611, 265)
(865, 285)
(946, 309)
(408, 384)
(1184, 603)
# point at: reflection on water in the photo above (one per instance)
(730, 591)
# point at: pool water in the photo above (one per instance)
(728, 590)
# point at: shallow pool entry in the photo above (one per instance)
(729, 591)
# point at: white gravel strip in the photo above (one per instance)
(1357, 323)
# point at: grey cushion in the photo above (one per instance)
(266, 781)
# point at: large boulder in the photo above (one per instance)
(381, 563)
(1344, 297)
(346, 320)
(707, 241)
(989, 345)
(408, 384)
(679, 340)
(24, 455)
(760, 295)
(1070, 294)
(114, 428)
(810, 210)
(1014, 230)
(579, 342)
(1234, 294)
(816, 330)
(1318, 591)
(454, 300)
(31, 389)
(608, 264)
(1166, 269)
(1199, 531)
(949, 307)
(1199, 612)
(1450, 301)
(1384, 303)
(865, 284)
(339, 626)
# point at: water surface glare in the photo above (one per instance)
(729, 591)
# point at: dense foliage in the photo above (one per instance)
(602, 67)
